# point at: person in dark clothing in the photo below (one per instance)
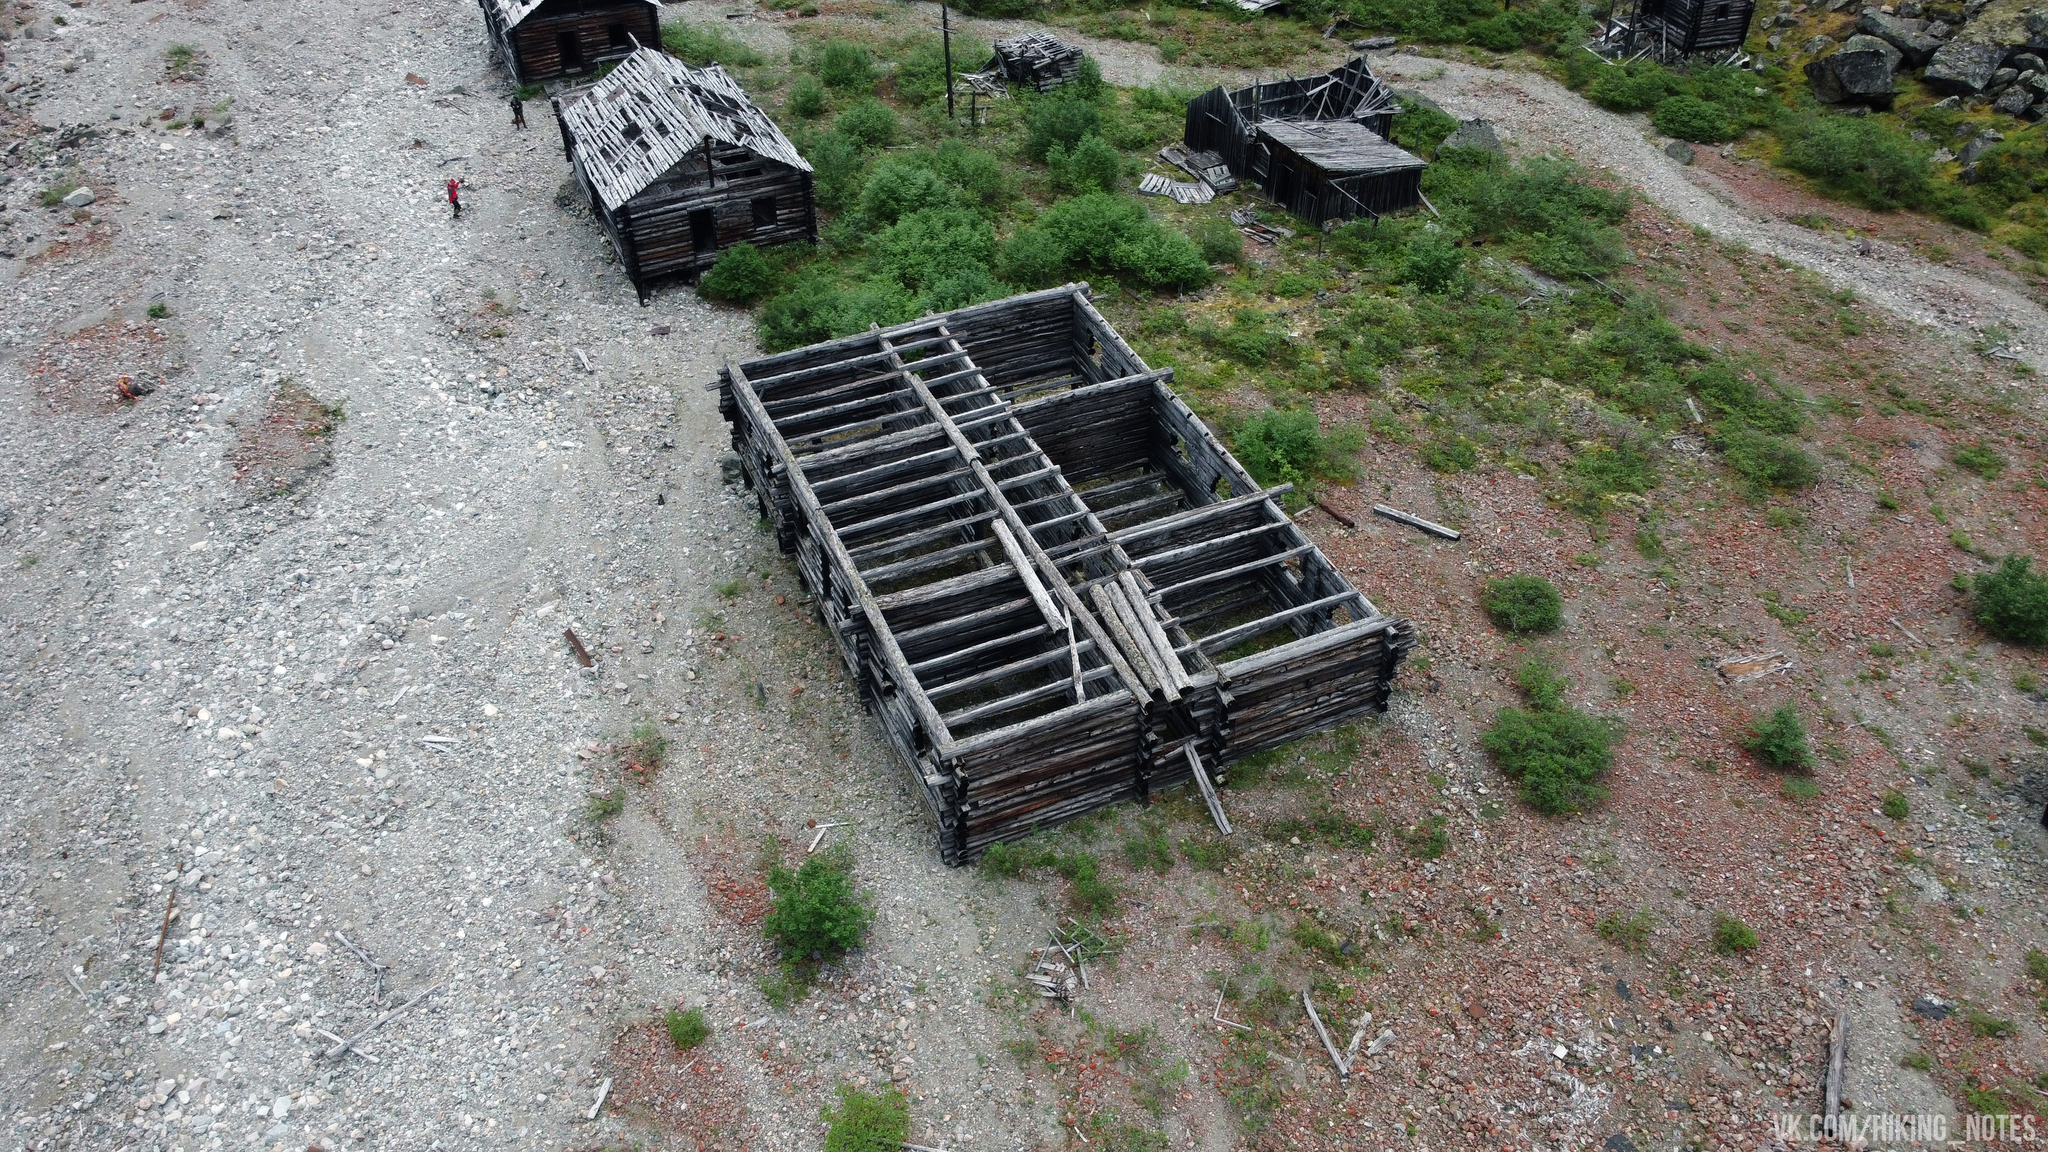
(455, 197)
(518, 111)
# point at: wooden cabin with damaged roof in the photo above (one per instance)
(680, 164)
(1315, 145)
(547, 39)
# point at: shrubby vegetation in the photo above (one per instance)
(702, 44)
(2011, 601)
(818, 913)
(1778, 738)
(1523, 604)
(1555, 753)
(867, 1121)
(1288, 447)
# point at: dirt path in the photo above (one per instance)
(1544, 114)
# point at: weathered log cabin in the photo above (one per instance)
(1053, 586)
(1672, 29)
(1315, 145)
(679, 164)
(548, 39)
(1036, 59)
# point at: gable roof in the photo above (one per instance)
(514, 11)
(652, 111)
(1339, 147)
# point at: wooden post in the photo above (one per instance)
(946, 34)
(1838, 1049)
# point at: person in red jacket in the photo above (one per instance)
(455, 197)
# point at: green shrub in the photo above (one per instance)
(2011, 601)
(1105, 233)
(1799, 788)
(807, 97)
(687, 1029)
(1628, 933)
(1149, 847)
(1766, 462)
(1556, 755)
(867, 1121)
(869, 123)
(1691, 118)
(1451, 454)
(1543, 209)
(1621, 466)
(1007, 860)
(1420, 128)
(1287, 446)
(1635, 87)
(1729, 395)
(1979, 458)
(932, 244)
(816, 308)
(740, 276)
(1732, 935)
(1919, 1061)
(1778, 738)
(1059, 119)
(845, 65)
(1092, 893)
(1219, 241)
(1090, 166)
(837, 163)
(921, 73)
(1990, 1027)
(159, 311)
(899, 186)
(608, 805)
(2037, 964)
(1004, 9)
(702, 44)
(1523, 604)
(1895, 805)
(1433, 263)
(817, 911)
(1861, 159)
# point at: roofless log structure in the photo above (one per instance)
(1054, 586)
(679, 164)
(548, 39)
(1315, 145)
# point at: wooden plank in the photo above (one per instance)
(1237, 570)
(1224, 640)
(1142, 606)
(1209, 796)
(1195, 515)
(1414, 521)
(1032, 586)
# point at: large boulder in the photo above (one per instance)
(1473, 134)
(1908, 36)
(1964, 67)
(1861, 73)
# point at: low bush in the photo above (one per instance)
(817, 308)
(1219, 241)
(1731, 396)
(1060, 119)
(1543, 209)
(1287, 446)
(837, 165)
(1420, 128)
(1555, 754)
(1523, 604)
(1106, 233)
(933, 244)
(869, 123)
(807, 97)
(921, 73)
(2037, 965)
(687, 1029)
(1895, 805)
(1862, 159)
(818, 913)
(1979, 458)
(1767, 463)
(2011, 601)
(1622, 466)
(867, 1121)
(845, 65)
(702, 44)
(1091, 165)
(1691, 118)
(1990, 1027)
(1732, 935)
(1433, 263)
(1778, 738)
(741, 276)
(1637, 86)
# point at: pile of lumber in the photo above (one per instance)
(1037, 59)
(1054, 586)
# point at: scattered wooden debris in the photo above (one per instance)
(1037, 59)
(1414, 521)
(1179, 191)
(1901, 627)
(164, 932)
(1838, 1050)
(576, 646)
(363, 954)
(1217, 1014)
(1209, 796)
(1343, 518)
(1329, 1045)
(1743, 669)
(1206, 167)
(1247, 221)
(336, 1052)
(603, 1090)
(1049, 578)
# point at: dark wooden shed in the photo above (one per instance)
(1315, 145)
(1673, 29)
(547, 39)
(679, 164)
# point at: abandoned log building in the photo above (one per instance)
(547, 39)
(1036, 59)
(1670, 30)
(1053, 585)
(1315, 145)
(679, 164)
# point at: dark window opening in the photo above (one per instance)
(703, 232)
(617, 36)
(764, 212)
(571, 49)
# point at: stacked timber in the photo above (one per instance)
(1036, 59)
(1049, 579)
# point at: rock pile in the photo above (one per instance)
(1987, 54)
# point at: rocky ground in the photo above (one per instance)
(283, 637)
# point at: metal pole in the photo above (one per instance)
(946, 34)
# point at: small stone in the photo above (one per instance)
(490, 709)
(79, 198)
(280, 1107)
(1680, 151)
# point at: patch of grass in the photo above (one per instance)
(159, 311)
(604, 807)
(1778, 738)
(2011, 601)
(180, 60)
(1149, 847)
(844, 66)
(687, 1029)
(1523, 604)
(2037, 964)
(1427, 840)
(1980, 459)
(1766, 462)
(1556, 754)
(867, 1121)
(65, 186)
(1799, 788)
(645, 752)
(1629, 933)
(1090, 892)
(1732, 936)
(1986, 1025)
(1006, 860)
(730, 590)
(1895, 805)
(1210, 854)
(1919, 1061)
(702, 44)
